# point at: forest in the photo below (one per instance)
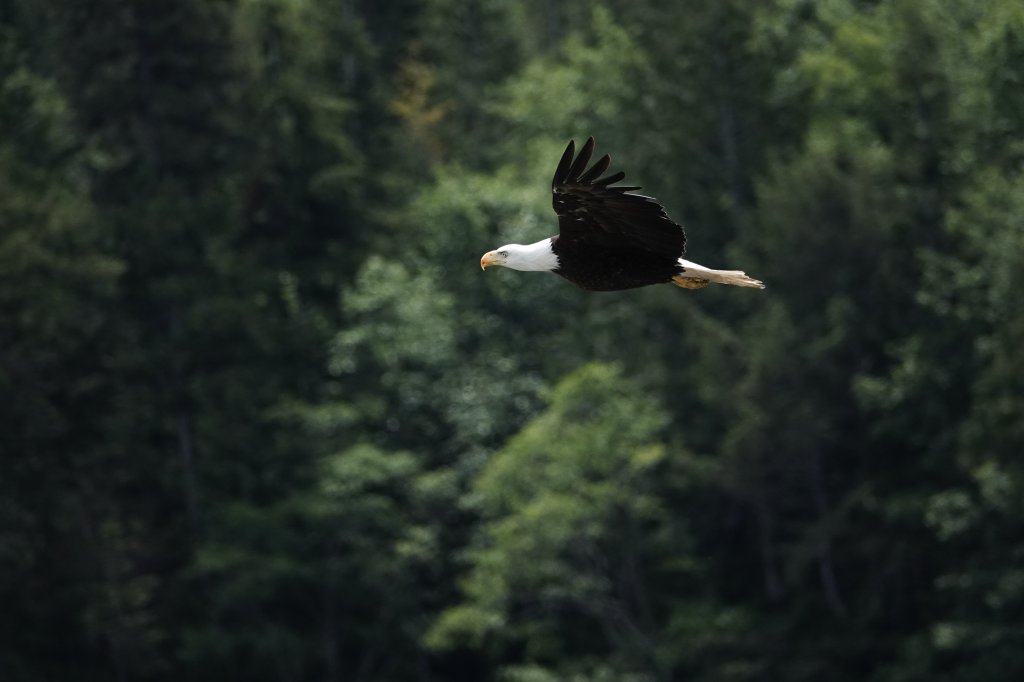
(262, 416)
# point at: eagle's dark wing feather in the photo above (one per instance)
(591, 211)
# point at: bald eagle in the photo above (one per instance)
(609, 238)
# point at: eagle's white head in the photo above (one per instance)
(536, 257)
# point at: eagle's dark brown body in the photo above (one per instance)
(600, 268)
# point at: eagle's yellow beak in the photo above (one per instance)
(489, 258)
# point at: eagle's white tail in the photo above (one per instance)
(697, 276)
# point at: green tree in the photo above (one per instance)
(575, 542)
(322, 583)
(976, 515)
(210, 332)
(56, 283)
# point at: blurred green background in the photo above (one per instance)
(263, 417)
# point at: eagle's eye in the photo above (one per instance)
(503, 254)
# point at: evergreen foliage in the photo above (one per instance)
(263, 417)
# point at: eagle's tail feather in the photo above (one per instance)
(696, 276)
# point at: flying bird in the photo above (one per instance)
(608, 237)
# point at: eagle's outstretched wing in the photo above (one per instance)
(591, 211)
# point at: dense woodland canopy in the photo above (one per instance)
(263, 417)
